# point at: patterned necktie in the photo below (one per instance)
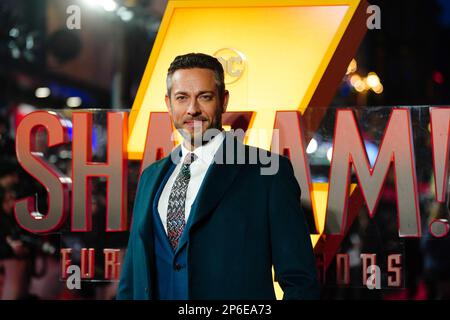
(177, 199)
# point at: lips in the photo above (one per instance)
(193, 123)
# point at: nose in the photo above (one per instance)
(194, 108)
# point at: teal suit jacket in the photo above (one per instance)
(243, 223)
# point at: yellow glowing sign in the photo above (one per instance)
(279, 54)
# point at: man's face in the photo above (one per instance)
(194, 104)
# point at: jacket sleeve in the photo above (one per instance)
(125, 288)
(292, 252)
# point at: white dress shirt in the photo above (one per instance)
(205, 156)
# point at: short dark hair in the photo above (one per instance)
(198, 60)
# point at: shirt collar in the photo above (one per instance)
(206, 152)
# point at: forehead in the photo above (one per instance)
(193, 80)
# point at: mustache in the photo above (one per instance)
(200, 118)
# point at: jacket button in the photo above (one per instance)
(178, 267)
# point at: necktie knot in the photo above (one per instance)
(189, 158)
(185, 170)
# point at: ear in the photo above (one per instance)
(226, 96)
(169, 108)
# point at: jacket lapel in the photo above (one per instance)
(153, 184)
(218, 179)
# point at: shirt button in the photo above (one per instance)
(178, 267)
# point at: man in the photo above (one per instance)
(205, 227)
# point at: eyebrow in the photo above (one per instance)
(201, 92)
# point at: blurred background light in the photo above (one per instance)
(42, 92)
(74, 102)
(352, 67)
(107, 5)
(330, 154)
(372, 80)
(312, 146)
(125, 14)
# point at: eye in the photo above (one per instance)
(180, 98)
(206, 97)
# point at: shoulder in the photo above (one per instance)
(271, 163)
(154, 167)
(263, 153)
